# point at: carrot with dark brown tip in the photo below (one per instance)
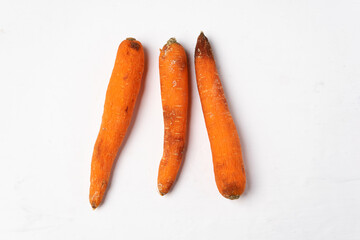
(174, 96)
(120, 100)
(224, 140)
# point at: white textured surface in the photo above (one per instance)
(291, 72)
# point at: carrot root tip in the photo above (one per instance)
(93, 205)
(233, 197)
(162, 190)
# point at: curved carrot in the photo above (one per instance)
(174, 96)
(224, 140)
(120, 100)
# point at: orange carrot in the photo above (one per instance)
(174, 96)
(224, 140)
(120, 100)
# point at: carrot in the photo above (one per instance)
(224, 140)
(174, 96)
(120, 100)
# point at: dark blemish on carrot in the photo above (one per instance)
(127, 108)
(165, 47)
(203, 47)
(103, 184)
(135, 45)
(164, 51)
(219, 88)
(169, 113)
(170, 183)
(180, 148)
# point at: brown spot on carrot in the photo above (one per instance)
(135, 45)
(170, 182)
(219, 88)
(168, 113)
(180, 148)
(220, 91)
(103, 183)
(177, 142)
(203, 47)
(127, 108)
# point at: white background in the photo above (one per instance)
(290, 70)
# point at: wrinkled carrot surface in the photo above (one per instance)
(224, 140)
(174, 96)
(120, 100)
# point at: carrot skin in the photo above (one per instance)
(174, 96)
(121, 95)
(224, 140)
